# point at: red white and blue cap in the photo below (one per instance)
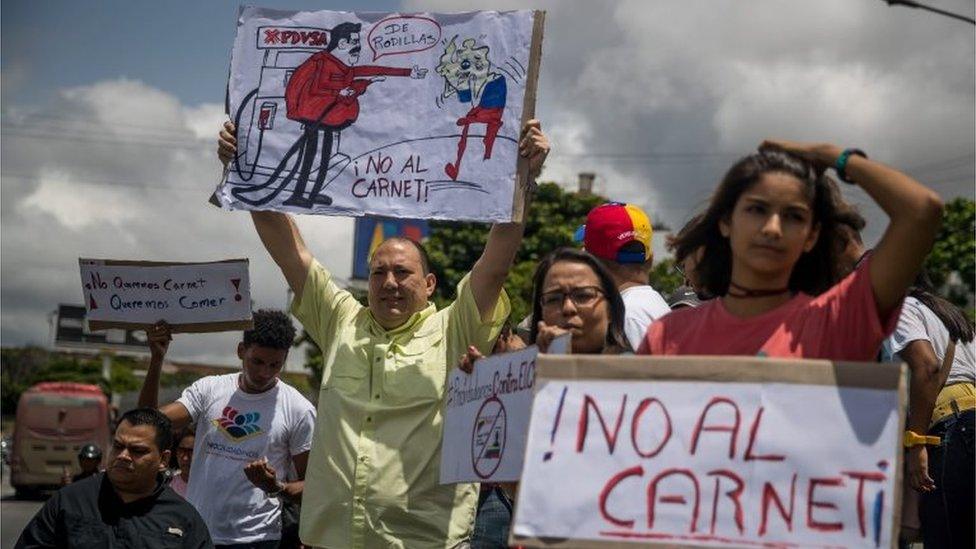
(611, 226)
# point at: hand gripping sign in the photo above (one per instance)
(353, 113)
(716, 451)
(486, 416)
(191, 297)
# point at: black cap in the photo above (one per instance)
(90, 451)
(684, 296)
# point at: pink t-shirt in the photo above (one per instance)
(840, 324)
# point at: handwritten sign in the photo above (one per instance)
(712, 452)
(486, 418)
(399, 115)
(191, 297)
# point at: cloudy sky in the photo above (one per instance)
(110, 110)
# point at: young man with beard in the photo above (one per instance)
(250, 427)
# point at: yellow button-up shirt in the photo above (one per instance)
(373, 473)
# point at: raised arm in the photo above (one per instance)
(281, 238)
(277, 231)
(914, 211)
(490, 271)
(159, 337)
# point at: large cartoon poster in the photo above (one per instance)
(403, 115)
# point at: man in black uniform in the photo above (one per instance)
(89, 457)
(129, 505)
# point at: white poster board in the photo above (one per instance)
(191, 297)
(730, 452)
(486, 417)
(402, 115)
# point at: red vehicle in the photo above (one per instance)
(54, 420)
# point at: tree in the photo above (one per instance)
(553, 219)
(664, 278)
(955, 251)
(23, 367)
(454, 247)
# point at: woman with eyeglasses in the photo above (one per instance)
(769, 253)
(572, 292)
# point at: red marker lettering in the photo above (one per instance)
(733, 429)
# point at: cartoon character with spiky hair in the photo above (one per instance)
(467, 73)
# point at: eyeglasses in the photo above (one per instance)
(581, 297)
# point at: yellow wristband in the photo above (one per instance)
(914, 439)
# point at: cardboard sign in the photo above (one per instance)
(402, 115)
(191, 297)
(486, 417)
(697, 451)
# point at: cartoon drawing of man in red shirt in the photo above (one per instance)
(323, 94)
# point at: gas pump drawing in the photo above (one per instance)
(321, 94)
(467, 72)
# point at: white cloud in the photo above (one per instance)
(124, 171)
(76, 205)
(121, 169)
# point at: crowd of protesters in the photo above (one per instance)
(774, 266)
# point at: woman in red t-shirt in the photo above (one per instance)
(767, 238)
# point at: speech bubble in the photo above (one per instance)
(402, 34)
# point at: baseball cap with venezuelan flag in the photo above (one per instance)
(611, 227)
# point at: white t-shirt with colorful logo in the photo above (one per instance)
(232, 429)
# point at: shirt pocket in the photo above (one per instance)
(348, 370)
(417, 371)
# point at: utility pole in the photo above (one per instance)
(914, 4)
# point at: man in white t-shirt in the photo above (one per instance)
(251, 426)
(619, 235)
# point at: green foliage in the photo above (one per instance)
(664, 278)
(955, 250)
(20, 368)
(553, 219)
(313, 359)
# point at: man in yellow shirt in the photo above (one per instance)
(372, 477)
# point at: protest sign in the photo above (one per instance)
(712, 451)
(191, 297)
(486, 416)
(402, 115)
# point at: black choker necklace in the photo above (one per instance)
(743, 292)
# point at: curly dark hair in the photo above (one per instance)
(815, 271)
(616, 341)
(272, 329)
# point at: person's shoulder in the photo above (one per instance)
(644, 295)
(86, 488)
(686, 315)
(290, 395)
(170, 503)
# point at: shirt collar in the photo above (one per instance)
(111, 497)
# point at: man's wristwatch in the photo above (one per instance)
(913, 439)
